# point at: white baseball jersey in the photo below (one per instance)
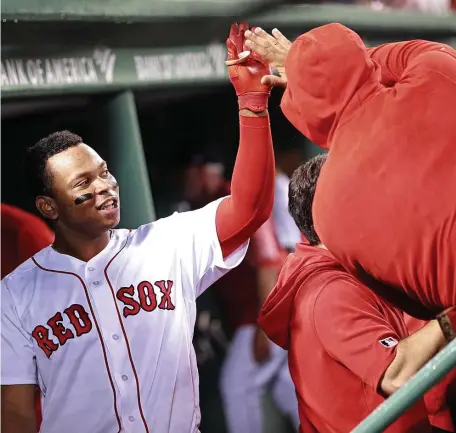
(287, 232)
(109, 341)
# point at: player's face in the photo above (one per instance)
(78, 171)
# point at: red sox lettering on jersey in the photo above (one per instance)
(147, 297)
(80, 318)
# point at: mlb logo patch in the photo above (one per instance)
(388, 342)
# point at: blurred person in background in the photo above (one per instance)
(23, 235)
(203, 182)
(424, 6)
(348, 349)
(288, 159)
(254, 365)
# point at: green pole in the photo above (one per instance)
(432, 373)
(127, 160)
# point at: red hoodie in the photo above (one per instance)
(388, 118)
(340, 337)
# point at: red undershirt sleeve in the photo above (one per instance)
(252, 186)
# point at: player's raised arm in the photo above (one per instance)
(252, 187)
(394, 58)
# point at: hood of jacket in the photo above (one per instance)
(327, 68)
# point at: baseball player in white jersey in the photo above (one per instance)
(102, 320)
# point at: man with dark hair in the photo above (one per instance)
(301, 193)
(103, 319)
(347, 347)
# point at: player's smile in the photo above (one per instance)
(109, 206)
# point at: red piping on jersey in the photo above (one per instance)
(98, 330)
(126, 338)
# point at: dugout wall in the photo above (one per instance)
(62, 63)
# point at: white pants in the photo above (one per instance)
(243, 382)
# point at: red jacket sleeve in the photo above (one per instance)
(351, 325)
(396, 57)
(252, 186)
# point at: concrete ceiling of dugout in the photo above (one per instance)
(143, 29)
(123, 23)
(127, 11)
(168, 23)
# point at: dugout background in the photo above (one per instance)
(173, 130)
(148, 130)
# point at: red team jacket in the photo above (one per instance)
(340, 337)
(387, 117)
(23, 235)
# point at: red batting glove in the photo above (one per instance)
(245, 70)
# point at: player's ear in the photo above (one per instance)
(47, 207)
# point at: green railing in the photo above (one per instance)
(432, 373)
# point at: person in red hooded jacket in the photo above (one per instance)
(348, 349)
(387, 116)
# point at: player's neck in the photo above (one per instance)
(76, 245)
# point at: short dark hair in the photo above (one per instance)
(301, 192)
(38, 179)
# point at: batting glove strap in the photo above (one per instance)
(447, 322)
(256, 102)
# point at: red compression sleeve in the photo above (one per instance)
(241, 214)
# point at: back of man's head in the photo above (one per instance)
(301, 194)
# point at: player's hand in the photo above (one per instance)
(261, 346)
(246, 71)
(273, 49)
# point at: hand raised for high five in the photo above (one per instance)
(246, 71)
(273, 49)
